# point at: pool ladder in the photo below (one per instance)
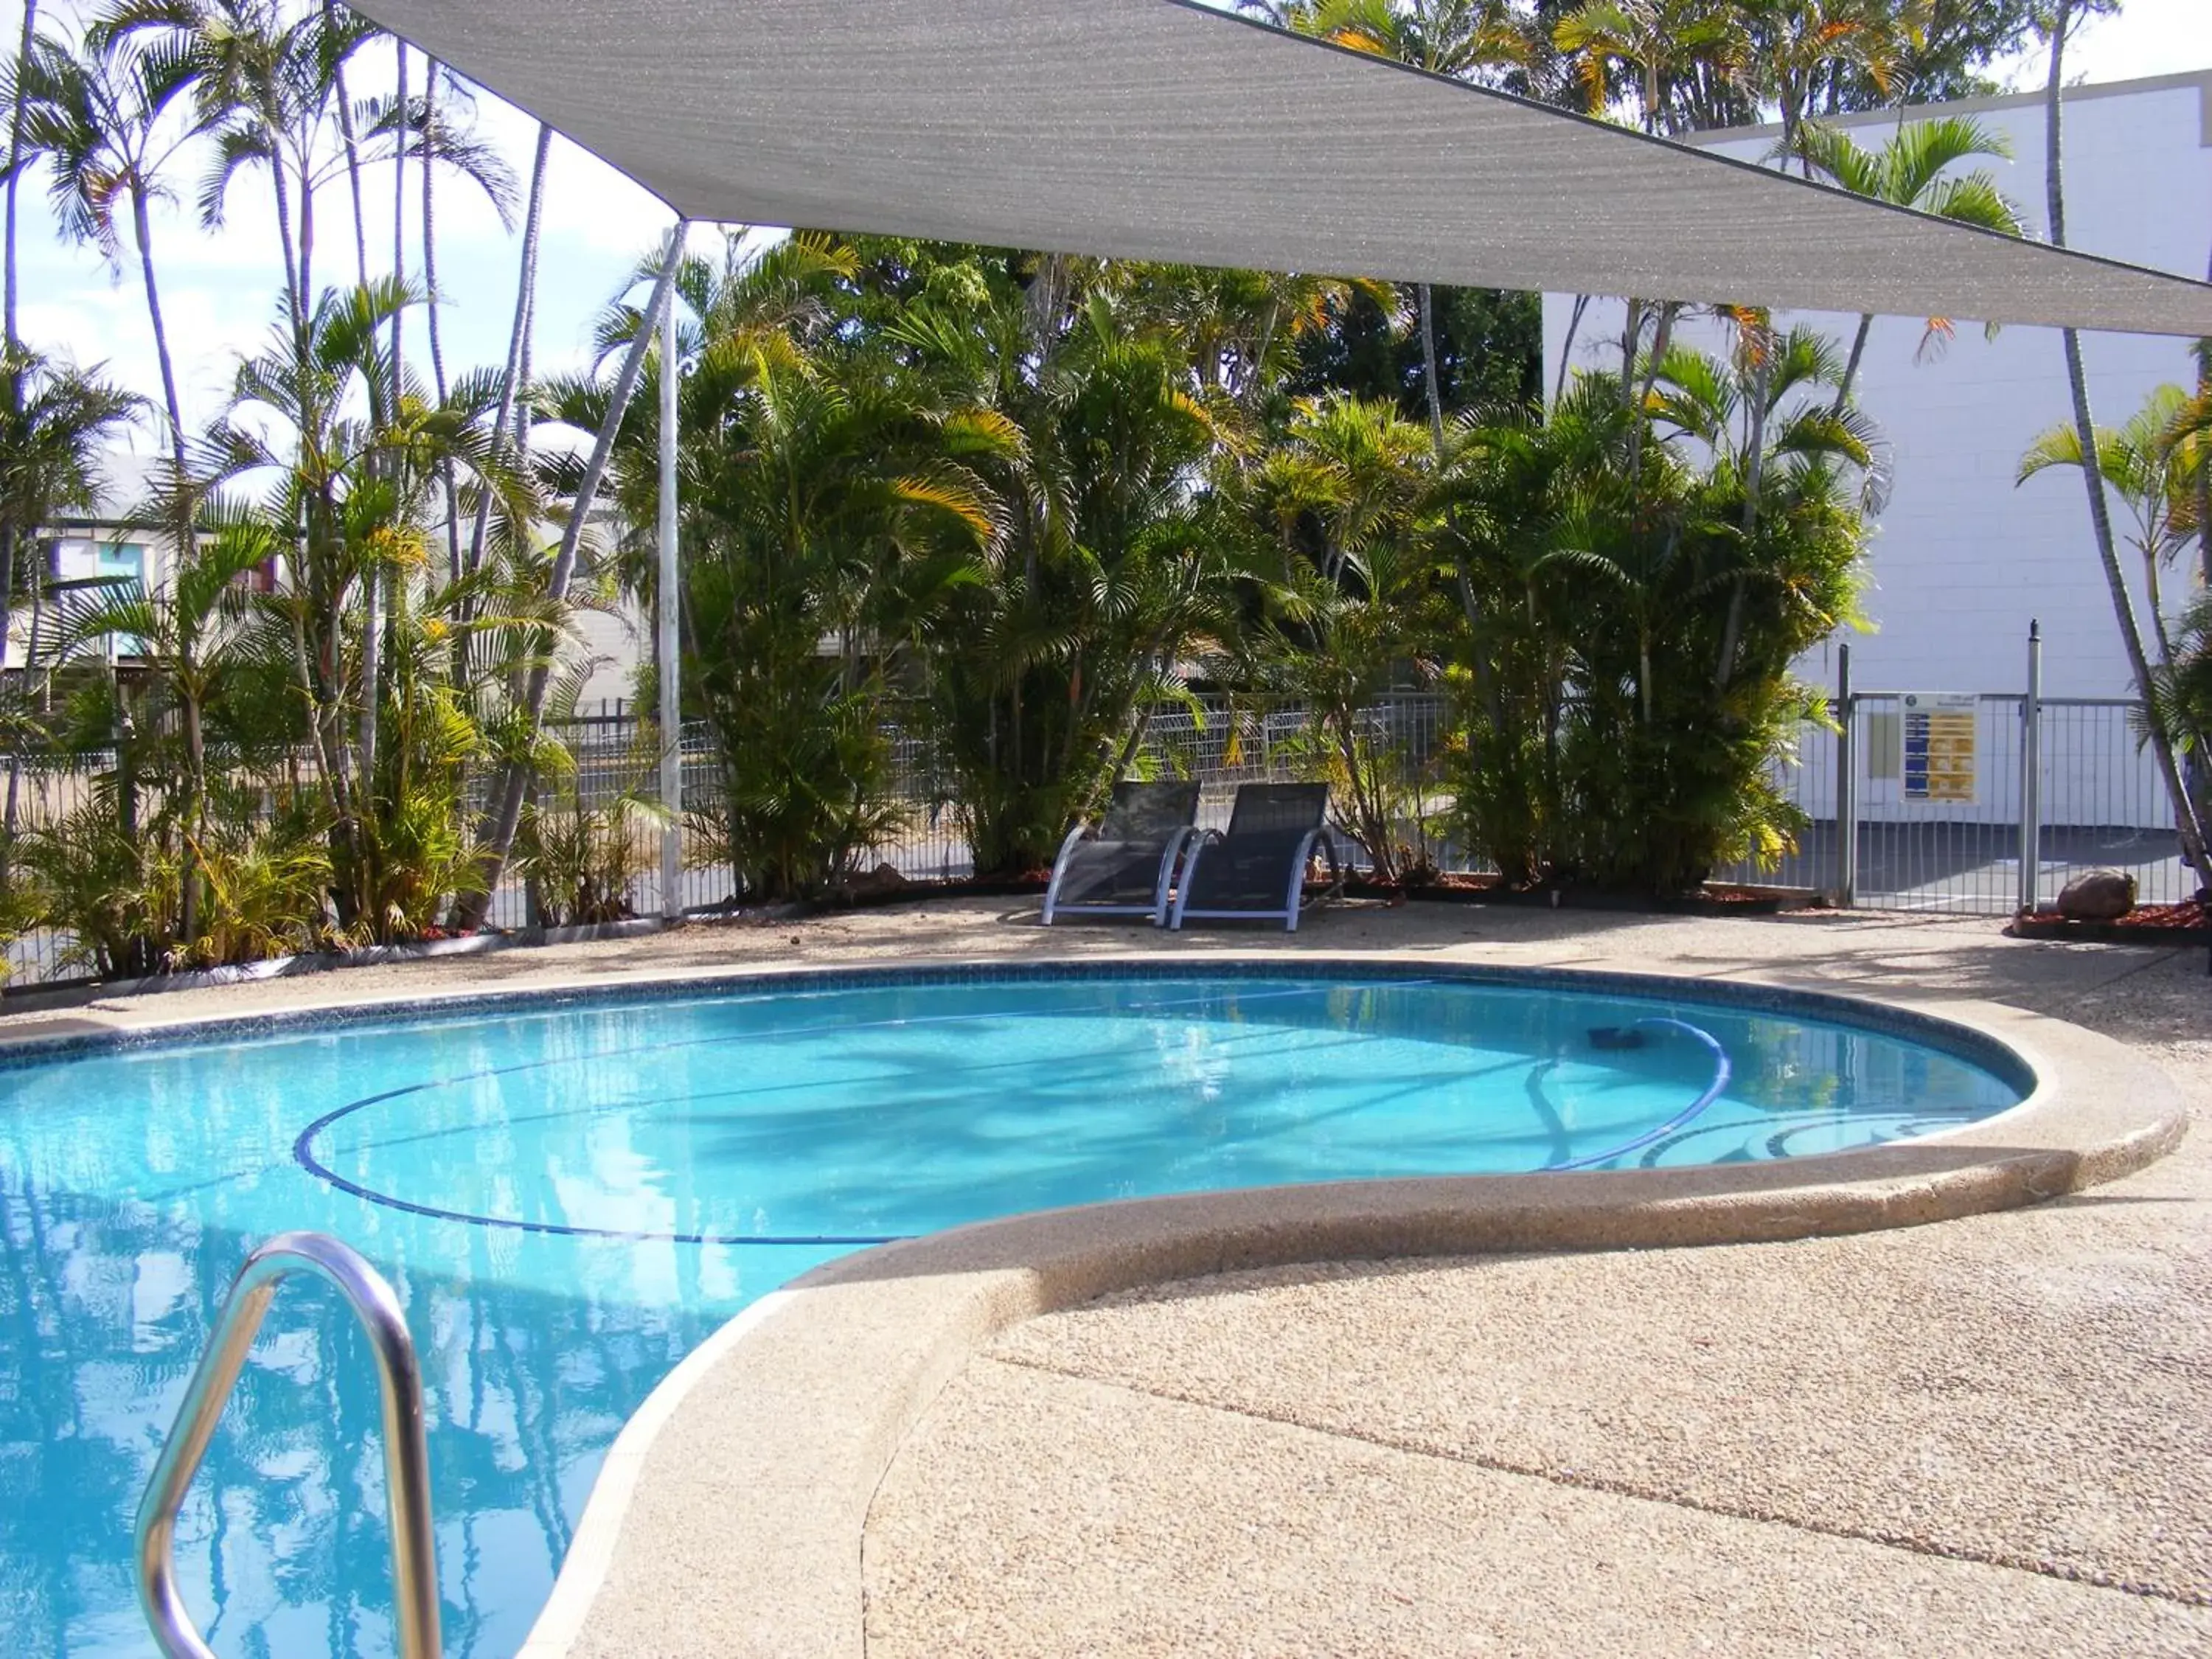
(406, 1465)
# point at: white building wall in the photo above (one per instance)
(614, 643)
(1963, 559)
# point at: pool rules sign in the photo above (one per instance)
(1939, 746)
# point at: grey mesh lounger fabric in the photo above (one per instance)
(1256, 871)
(1126, 868)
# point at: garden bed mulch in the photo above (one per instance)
(1716, 899)
(2186, 923)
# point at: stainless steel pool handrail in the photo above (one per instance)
(406, 1461)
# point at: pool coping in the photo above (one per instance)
(730, 1513)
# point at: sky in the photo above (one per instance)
(219, 287)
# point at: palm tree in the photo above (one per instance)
(266, 82)
(515, 775)
(1913, 169)
(1691, 608)
(187, 633)
(826, 500)
(2191, 437)
(351, 493)
(2146, 461)
(16, 157)
(1463, 40)
(1773, 434)
(1342, 494)
(516, 374)
(1793, 46)
(1664, 46)
(441, 139)
(1111, 557)
(52, 429)
(1660, 46)
(1248, 328)
(2180, 703)
(51, 439)
(108, 123)
(2189, 821)
(10, 386)
(349, 140)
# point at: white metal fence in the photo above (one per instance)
(2033, 791)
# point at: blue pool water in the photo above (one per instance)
(571, 1196)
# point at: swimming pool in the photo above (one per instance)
(571, 1193)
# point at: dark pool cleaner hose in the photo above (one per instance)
(1635, 1036)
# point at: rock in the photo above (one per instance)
(880, 880)
(2099, 896)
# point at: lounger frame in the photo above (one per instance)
(1172, 857)
(1295, 902)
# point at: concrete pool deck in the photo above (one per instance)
(1985, 1436)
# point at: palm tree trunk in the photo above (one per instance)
(514, 780)
(143, 229)
(1755, 473)
(30, 663)
(1661, 337)
(1486, 682)
(14, 388)
(194, 816)
(1567, 346)
(1427, 300)
(352, 144)
(2204, 455)
(306, 221)
(403, 121)
(430, 282)
(1631, 332)
(1852, 366)
(295, 302)
(526, 310)
(372, 629)
(15, 169)
(2101, 520)
(517, 374)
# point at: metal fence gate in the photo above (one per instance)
(1977, 802)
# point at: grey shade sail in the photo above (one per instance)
(1163, 129)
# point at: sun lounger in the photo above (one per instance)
(1256, 872)
(1127, 865)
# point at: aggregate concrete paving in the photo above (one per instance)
(1045, 1515)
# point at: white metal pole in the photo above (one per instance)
(1847, 783)
(670, 597)
(2031, 774)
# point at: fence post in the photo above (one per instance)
(1847, 787)
(2031, 772)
